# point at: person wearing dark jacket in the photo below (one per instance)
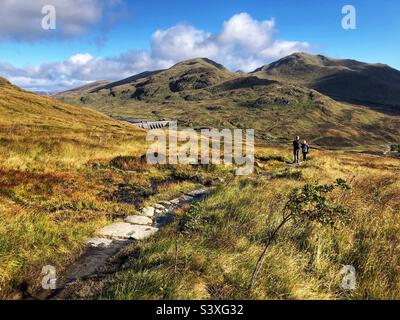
(296, 150)
(305, 148)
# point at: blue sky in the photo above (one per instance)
(111, 39)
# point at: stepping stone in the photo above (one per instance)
(148, 211)
(165, 203)
(91, 260)
(124, 230)
(175, 201)
(141, 220)
(99, 242)
(185, 198)
(198, 192)
(112, 238)
(159, 206)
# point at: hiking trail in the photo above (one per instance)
(111, 239)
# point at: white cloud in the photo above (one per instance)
(250, 34)
(182, 42)
(242, 44)
(81, 58)
(77, 70)
(22, 20)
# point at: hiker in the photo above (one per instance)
(296, 150)
(305, 148)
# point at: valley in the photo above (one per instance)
(202, 93)
(70, 167)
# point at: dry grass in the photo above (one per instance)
(217, 254)
(64, 173)
(61, 178)
(51, 198)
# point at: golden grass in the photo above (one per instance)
(58, 188)
(216, 257)
(58, 185)
(52, 198)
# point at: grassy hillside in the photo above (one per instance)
(90, 87)
(49, 200)
(201, 93)
(211, 249)
(46, 126)
(375, 85)
(61, 180)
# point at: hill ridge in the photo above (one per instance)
(199, 93)
(375, 85)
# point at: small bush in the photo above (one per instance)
(273, 158)
(287, 174)
(129, 163)
(191, 221)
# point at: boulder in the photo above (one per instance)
(175, 201)
(198, 192)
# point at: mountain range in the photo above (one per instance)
(335, 103)
(375, 85)
(67, 171)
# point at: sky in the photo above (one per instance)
(113, 39)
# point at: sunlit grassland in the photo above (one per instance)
(62, 178)
(58, 188)
(215, 258)
(59, 184)
(50, 196)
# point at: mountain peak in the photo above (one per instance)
(303, 55)
(308, 62)
(304, 59)
(341, 79)
(201, 61)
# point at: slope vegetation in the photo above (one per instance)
(375, 85)
(51, 197)
(211, 249)
(201, 93)
(64, 173)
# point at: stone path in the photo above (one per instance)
(114, 237)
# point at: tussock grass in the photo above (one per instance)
(213, 256)
(51, 199)
(67, 171)
(64, 173)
